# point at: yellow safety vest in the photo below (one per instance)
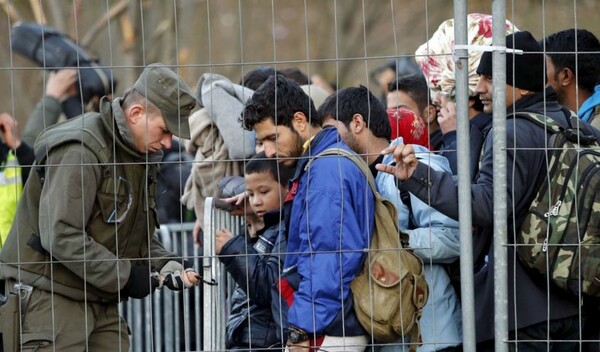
(11, 186)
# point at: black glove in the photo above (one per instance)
(174, 281)
(173, 274)
(188, 264)
(141, 283)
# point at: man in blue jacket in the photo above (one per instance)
(329, 218)
(573, 68)
(540, 316)
(364, 125)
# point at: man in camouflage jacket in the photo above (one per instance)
(538, 312)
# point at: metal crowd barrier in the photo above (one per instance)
(215, 297)
(168, 320)
(192, 320)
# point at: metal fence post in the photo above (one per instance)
(500, 207)
(461, 63)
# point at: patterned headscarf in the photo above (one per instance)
(435, 56)
(409, 126)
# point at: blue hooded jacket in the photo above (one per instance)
(330, 224)
(436, 239)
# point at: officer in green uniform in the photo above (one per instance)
(83, 235)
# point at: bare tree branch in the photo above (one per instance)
(38, 12)
(99, 25)
(11, 11)
(131, 29)
(57, 14)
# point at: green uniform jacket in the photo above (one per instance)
(88, 214)
(45, 114)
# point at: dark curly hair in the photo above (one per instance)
(279, 98)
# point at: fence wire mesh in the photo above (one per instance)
(100, 231)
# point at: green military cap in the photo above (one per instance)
(169, 92)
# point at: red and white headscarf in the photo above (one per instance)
(435, 56)
(409, 126)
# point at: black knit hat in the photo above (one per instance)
(529, 66)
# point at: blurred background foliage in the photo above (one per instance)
(341, 40)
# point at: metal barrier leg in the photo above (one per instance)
(214, 303)
(155, 321)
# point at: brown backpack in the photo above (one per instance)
(390, 291)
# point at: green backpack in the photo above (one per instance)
(560, 236)
(390, 291)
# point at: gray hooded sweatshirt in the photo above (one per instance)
(224, 102)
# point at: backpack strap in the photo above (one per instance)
(541, 120)
(355, 158)
(415, 337)
(576, 131)
(362, 165)
(405, 197)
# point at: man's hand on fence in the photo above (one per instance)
(196, 233)
(238, 203)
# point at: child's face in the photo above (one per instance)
(265, 193)
(254, 224)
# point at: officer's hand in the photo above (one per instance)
(178, 276)
(141, 283)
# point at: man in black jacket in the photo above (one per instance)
(536, 310)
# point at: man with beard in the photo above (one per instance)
(329, 218)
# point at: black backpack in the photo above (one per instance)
(52, 49)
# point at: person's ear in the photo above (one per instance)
(300, 122)
(135, 112)
(430, 114)
(566, 77)
(522, 93)
(358, 123)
